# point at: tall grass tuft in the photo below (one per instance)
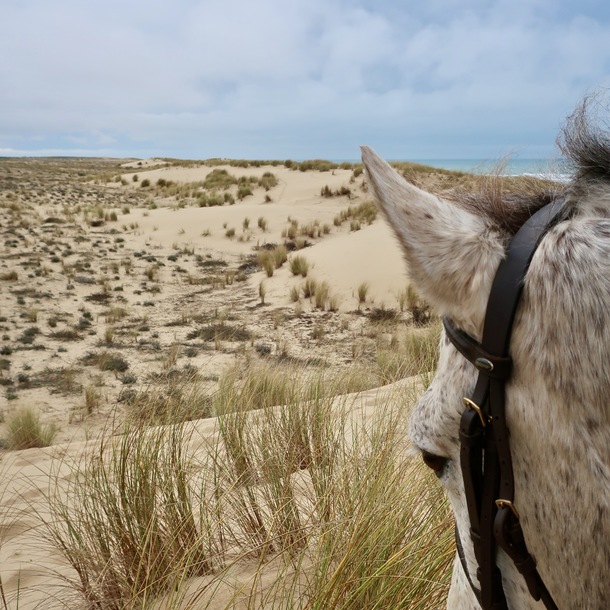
(299, 265)
(131, 524)
(363, 290)
(303, 498)
(280, 255)
(25, 430)
(415, 354)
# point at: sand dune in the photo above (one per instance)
(76, 283)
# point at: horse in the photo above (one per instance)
(558, 396)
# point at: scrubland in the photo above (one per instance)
(206, 374)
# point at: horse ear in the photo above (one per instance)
(451, 253)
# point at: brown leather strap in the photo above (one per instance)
(494, 366)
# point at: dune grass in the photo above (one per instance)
(311, 504)
(416, 352)
(25, 430)
(299, 265)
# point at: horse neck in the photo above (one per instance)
(558, 414)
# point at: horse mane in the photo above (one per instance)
(507, 202)
(584, 144)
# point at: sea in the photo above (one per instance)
(552, 169)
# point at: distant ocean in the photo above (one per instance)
(546, 168)
(541, 168)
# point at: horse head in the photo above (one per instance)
(558, 397)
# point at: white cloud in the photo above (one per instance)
(234, 77)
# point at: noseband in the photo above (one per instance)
(485, 455)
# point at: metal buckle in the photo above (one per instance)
(507, 504)
(473, 406)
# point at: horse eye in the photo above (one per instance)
(435, 462)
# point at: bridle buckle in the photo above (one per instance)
(473, 406)
(507, 504)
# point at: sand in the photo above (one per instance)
(137, 286)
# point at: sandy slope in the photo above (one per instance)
(35, 572)
(77, 259)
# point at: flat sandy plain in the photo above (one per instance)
(110, 288)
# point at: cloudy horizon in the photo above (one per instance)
(302, 79)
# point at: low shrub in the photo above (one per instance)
(268, 181)
(243, 192)
(106, 361)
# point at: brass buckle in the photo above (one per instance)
(473, 406)
(507, 504)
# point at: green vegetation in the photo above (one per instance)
(243, 191)
(268, 181)
(208, 200)
(364, 212)
(25, 430)
(269, 260)
(363, 290)
(106, 361)
(344, 191)
(301, 492)
(299, 265)
(219, 179)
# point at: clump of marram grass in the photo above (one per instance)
(317, 497)
(295, 294)
(383, 314)
(115, 314)
(266, 262)
(309, 287)
(364, 212)
(299, 265)
(292, 230)
(25, 430)
(178, 395)
(280, 255)
(130, 524)
(347, 515)
(321, 295)
(269, 260)
(243, 191)
(419, 309)
(92, 399)
(106, 361)
(416, 353)
(220, 331)
(311, 229)
(268, 180)
(219, 179)
(362, 291)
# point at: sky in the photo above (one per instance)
(298, 79)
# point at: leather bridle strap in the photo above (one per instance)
(485, 456)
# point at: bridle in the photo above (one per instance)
(485, 456)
